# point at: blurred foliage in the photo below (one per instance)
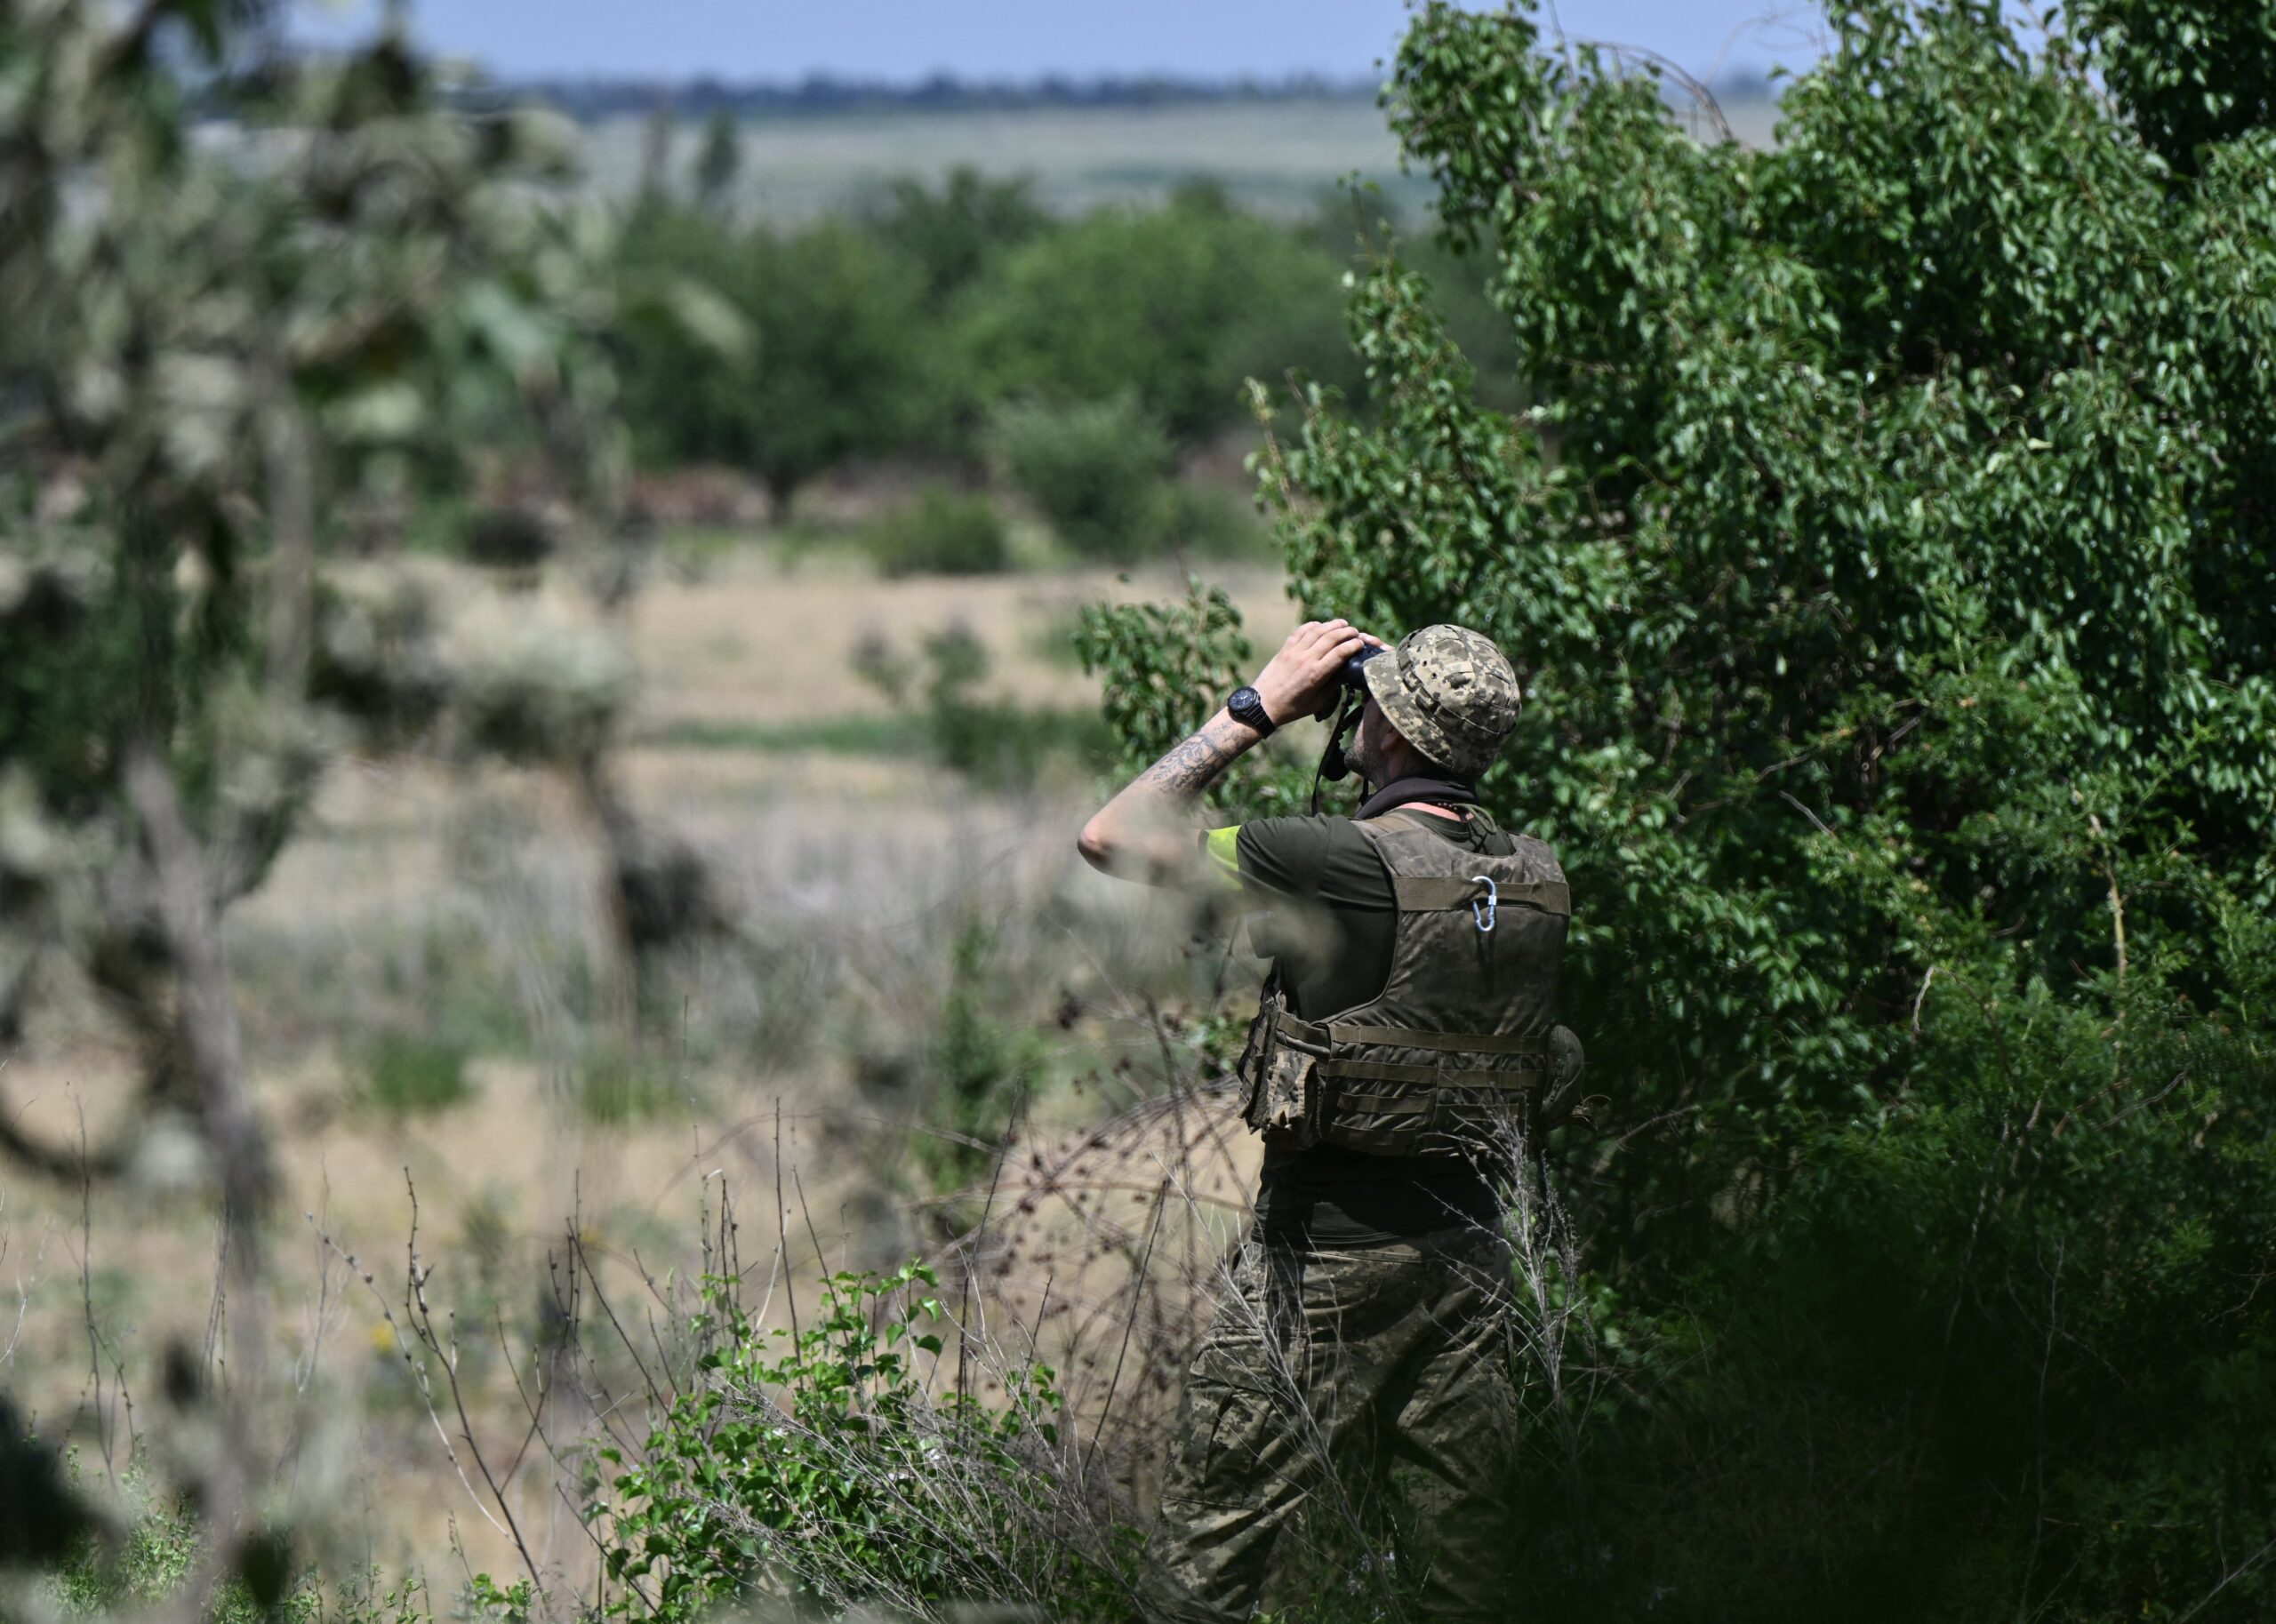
(1882, 546)
(943, 531)
(382, 292)
(783, 355)
(409, 1072)
(1097, 469)
(945, 321)
(720, 161)
(1174, 306)
(619, 1082)
(229, 373)
(1201, 522)
(953, 235)
(980, 1067)
(220, 376)
(148, 1562)
(997, 743)
(1101, 472)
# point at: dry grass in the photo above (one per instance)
(756, 643)
(418, 898)
(1103, 1251)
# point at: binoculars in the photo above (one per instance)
(1352, 685)
(1350, 677)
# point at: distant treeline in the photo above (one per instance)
(817, 95)
(599, 97)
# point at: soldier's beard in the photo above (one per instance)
(1366, 760)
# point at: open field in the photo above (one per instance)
(1274, 157)
(1279, 158)
(452, 918)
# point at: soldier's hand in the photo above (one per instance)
(1300, 680)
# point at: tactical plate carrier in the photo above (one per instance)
(1445, 1060)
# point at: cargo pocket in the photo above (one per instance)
(1227, 1428)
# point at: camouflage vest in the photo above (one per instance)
(1443, 1060)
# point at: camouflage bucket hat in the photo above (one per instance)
(1451, 694)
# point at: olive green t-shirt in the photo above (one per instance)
(1326, 914)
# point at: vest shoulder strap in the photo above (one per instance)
(1397, 820)
(1431, 876)
(1433, 893)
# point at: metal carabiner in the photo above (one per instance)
(1492, 896)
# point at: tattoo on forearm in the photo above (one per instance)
(1189, 769)
(1140, 825)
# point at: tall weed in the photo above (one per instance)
(815, 1466)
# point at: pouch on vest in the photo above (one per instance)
(1452, 1055)
(1284, 1102)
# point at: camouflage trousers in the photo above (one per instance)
(1325, 1378)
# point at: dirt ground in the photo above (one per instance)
(853, 872)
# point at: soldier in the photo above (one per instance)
(1404, 1024)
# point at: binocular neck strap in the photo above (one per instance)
(1332, 765)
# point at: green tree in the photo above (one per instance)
(785, 355)
(953, 234)
(2191, 73)
(685, 337)
(1175, 305)
(1359, 226)
(720, 162)
(1883, 552)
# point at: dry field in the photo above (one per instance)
(1279, 159)
(1275, 157)
(418, 900)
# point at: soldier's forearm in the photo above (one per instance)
(1146, 830)
(1184, 775)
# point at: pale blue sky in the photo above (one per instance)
(907, 39)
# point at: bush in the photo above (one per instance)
(813, 1467)
(1205, 522)
(995, 742)
(943, 531)
(407, 1074)
(618, 1083)
(978, 1066)
(1096, 469)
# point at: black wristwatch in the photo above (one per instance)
(1247, 708)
